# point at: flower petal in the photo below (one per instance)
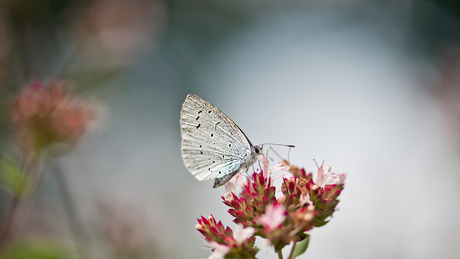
(274, 216)
(219, 251)
(241, 234)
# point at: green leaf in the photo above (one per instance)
(301, 247)
(320, 223)
(13, 179)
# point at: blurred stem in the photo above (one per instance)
(76, 227)
(292, 250)
(8, 219)
(70, 60)
(280, 254)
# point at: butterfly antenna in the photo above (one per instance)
(275, 144)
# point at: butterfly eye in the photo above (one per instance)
(257, 150)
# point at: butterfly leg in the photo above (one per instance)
(246, 173)
(277, 153)
(250, 176)
(261, 167)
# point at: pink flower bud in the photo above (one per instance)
(282, 198)
(199, 227)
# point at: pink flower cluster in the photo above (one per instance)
(281, 218)
(225, 242)
(47, 113)
(254, 198)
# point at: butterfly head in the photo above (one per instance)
(258, 149)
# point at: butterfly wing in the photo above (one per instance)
(212, 144)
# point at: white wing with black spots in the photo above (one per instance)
(213, 146)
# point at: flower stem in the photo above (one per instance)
(28, 166)
(292, 250)
(7, 220)
(280, 254)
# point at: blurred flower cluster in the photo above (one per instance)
(280, 216)
(116, 32)
(447, 90)
(127, 229)
(44, 115)
(49, 113)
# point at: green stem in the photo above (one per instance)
(292, 250)
(280, 254)
(8, 218)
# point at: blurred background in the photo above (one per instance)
(372, 87)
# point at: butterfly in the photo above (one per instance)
(213, 146)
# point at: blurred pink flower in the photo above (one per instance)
(116, 32)
(342, 177)
(48, 113)
(241, 234)
(274, 216)
(276, 168)
(265, 171)
(219, 250)
(235, 184)
(281, 198)
(305, 199)
(279, 167)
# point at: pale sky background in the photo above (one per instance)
(340, 90)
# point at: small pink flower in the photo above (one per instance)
(325, 177)
(279, 167)
(241, 234)
(281, 198)
(219, 250)
(235, 184)
(230, 187)
(265, 163)
(274, 216)
(228, 196)
(305, 199)
(342, 177)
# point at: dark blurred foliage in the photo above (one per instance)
(45, 38)
(87, 42)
